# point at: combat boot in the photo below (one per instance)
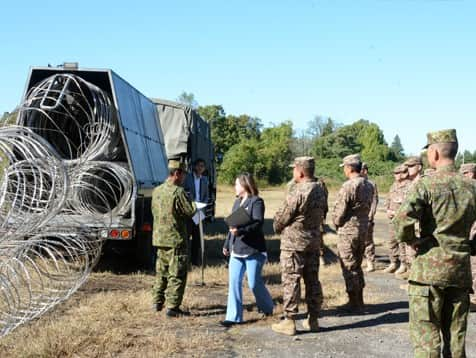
(370, 267)
(311, 324)
(353, 305)
(401, 270)
(287, 326)
(391, 268)
(176, 313)
(359, 297)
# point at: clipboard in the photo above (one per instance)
(238, 218)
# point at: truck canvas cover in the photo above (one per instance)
(186, 134)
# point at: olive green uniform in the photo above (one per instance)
(171, 209)
(444, 206)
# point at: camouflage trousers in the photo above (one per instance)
(473, 271)
(437, 312)
(351, 247)
(407, 254)
(294, 265)
(171, 276)
(369, 243)
(397, 249)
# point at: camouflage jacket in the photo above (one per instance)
(299, 218)
(171, 209)
(373, 207)
(396, 194)
(352, 207)
(292, 184)
(444, 205)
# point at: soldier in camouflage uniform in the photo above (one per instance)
(369, 243)
(289, 189)
(351, 218)
(415, 169)
(171, 209)
(395, 197)
(444, 204)
(469, 170)
(298, 222)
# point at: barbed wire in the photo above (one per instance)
(59, 188)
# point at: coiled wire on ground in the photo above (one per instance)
(58, 189)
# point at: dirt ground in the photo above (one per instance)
(111, 315)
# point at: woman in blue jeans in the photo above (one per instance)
(246, 247)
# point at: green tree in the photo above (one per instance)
(274, 154)
(187, 99)
(228, 130)
(374, 148)
(396, 149)
(267, 158)
(240, 158)
(359, 137)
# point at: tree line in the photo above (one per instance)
(242, 143)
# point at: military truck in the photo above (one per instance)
(136, 142)
(187, 137)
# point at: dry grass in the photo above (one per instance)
(111, 315)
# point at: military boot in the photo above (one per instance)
(311, 324)
(391, 268)
(370, 267)
(286, 326)
(401, 270)
(352, 306)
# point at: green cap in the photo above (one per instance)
(303, 162)
(352, 159)
(176, 164)
(443, 136)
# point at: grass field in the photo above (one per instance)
(111, 315)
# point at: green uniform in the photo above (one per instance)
(171, 209)
(444, 206)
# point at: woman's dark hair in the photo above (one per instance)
(248, 183)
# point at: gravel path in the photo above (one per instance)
(381, 332)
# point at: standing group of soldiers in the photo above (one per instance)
(432, 227)
(401, 254)
(432, 218)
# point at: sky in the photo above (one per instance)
(409, 66)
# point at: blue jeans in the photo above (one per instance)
(253, 266)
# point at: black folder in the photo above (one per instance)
(238, 218)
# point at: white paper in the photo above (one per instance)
(200, 205)
(199, 215)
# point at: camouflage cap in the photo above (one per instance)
(400, 169)
(467, 168)
(303, 162)
(176, 164)
(443, 136)
(411, 161)
(365, 166)
(352, 159)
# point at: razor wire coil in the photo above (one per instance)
(58, 189)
